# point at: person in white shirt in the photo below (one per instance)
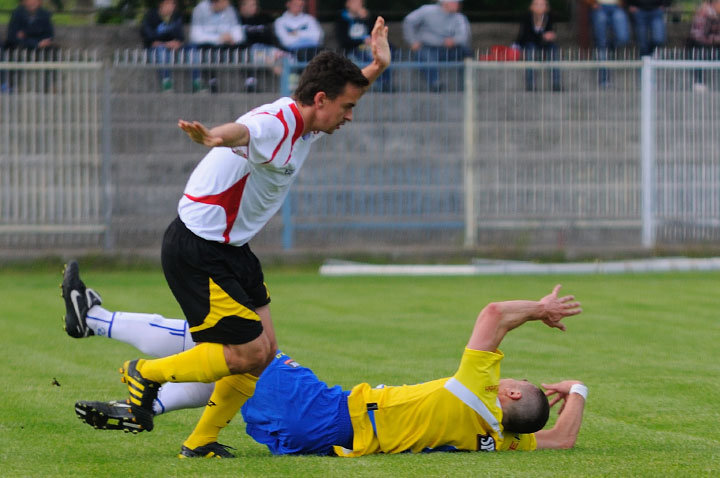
(214, 28)
(299, 32)
(217, 280)
(215, 24)
(438, 32)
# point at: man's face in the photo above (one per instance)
(32, 5)
(331, 114)
(219, 5)
(451, 7)
(295, 7)
(166, 8)
(539, 7)
(248, 8)
(354, 6)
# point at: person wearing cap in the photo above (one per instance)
(437, 32)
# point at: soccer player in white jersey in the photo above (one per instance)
(217, 280)
(293, 412)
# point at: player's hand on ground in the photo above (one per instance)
(557, 308)
(379, 43)
(558, 392)
(199, 133)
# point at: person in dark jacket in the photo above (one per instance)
(163, 35)
(537, 38)
(649, 19)
(352, 30)
(258, 26)
(30, 27)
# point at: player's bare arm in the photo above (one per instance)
(380, 51)
(565, 432)
(228, 134)
(498, 318)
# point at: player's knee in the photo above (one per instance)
(251, 356)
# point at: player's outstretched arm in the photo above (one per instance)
(380, 51)
(498, 318)
(228, 134)
(565, 432)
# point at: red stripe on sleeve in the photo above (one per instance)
(281, 117)
(299, 127)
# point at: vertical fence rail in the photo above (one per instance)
(647, 151)
(469, 158)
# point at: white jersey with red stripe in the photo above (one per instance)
(233, 193)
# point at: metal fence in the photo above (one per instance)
(51, 165)
(497, 154)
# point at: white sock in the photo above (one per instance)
(175, 396)
(152, 334)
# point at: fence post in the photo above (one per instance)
(647, 150)
(469, 155)
(107, 157)
(288, 228)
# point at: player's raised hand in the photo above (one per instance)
(379, 43)
(199, 133)
(558, 392)
(557, 308)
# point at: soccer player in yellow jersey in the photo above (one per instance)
(474, 410)
(293, 412)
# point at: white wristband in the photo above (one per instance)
(580, 389)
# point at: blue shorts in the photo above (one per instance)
(293, 412)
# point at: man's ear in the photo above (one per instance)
(320, 99)
(513, 393)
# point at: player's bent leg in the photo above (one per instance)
(249, 357)
(230, 394)
(152, 334)
(203, 363)
(268, 327)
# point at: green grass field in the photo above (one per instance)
(647, 346)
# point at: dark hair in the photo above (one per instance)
(528, 414)
(328, 72)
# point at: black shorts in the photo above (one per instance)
(218, 286)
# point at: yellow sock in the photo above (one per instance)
(229, 395)
(202, 363)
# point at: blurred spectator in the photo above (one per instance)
(163, 35)
(260, 39)
(215, 24)
(30, 27)
(258, 26)
(354, 25)
(299, 32)
(704, 41)
(608, 15)
(438, 33)
(537, 38)
(214, 29)
(353, 28)
(649, 19)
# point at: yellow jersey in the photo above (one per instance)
(461, 412)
